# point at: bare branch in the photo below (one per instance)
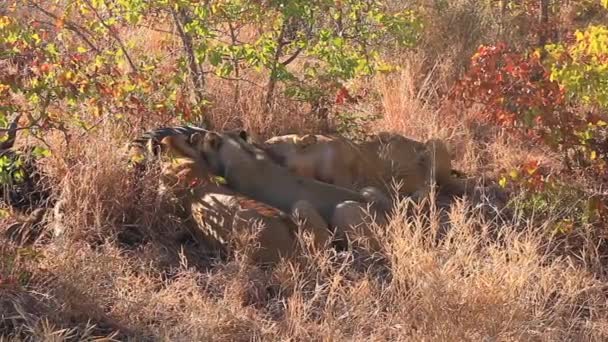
(113, 34)
(77, 29)
(292, 57)
(196, 72)
(275, 64)
(11, 134)
(240, 79)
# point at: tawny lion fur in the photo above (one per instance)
(377, 161)
(248, 170)
(220, 215)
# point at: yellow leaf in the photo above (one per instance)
(564, 226)
(36, 37)
(219, 180)
(81, 49)
(593, 155)
(137, 158)
(502, 182)
(4, 21)
(514, 174)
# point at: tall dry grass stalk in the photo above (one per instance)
(475, 281)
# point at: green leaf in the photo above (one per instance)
(41, 152)
(215, 57)
(52, 49)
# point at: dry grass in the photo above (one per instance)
(477, 280)
(124, 269)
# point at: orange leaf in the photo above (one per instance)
(60, 23)
(531, 166)
(342, 95)
(45, 67)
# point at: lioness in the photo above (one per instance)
(329, 159)
(219, 214)
(149, 143)
(376, 162)
(250, 171)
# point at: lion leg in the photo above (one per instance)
(380, 202)
(426, 169)
(313, 222)
(272, 241)
(440, 166)
(350, 216)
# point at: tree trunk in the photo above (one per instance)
(180, 19)
(272, 81)
(543, 21)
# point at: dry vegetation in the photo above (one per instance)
(122, 269)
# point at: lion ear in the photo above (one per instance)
(195, 139)
(213, 140)
(307, 140)
(166, 144)
(243, 135)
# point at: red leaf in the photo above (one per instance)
(342, 95)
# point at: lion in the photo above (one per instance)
(250, 171)
(220, 215)
(326, 158)
(145, 151)
(386, 156)
(416, 165)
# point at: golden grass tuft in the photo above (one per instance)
(475, 280)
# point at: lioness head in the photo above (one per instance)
(229, 148)
(286, 146)
(183, 159)
(182, 168)
(197, 140)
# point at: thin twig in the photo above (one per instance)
(240, 79)
(275, 63)
(114, 35)
(77, 29)
(196, 72)
(292, 57)
(16, 129)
